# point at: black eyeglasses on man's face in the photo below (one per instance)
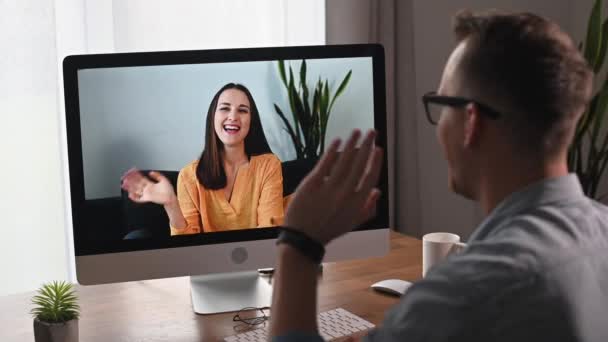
(434, 105)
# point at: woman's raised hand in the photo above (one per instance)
(156, 189)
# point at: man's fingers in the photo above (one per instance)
(361, 160)
(345, 159)
(370, 205)
(372, 174)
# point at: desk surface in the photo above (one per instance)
(160, 310)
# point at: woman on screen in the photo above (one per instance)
(235, 184)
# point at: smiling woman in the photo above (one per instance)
(235, 184)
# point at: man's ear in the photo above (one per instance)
(472, 125)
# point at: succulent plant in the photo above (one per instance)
(56, 302)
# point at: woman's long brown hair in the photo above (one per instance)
(210, 170)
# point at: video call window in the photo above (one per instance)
(200, 148)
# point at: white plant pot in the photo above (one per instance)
(56, 332)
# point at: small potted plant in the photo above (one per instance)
(56, 313)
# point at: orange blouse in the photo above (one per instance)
(257, 198)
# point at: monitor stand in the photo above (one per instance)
(229, 292)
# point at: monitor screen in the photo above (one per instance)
(171, 149)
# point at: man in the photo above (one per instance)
(536, 269)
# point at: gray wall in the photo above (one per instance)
(153, 117)
(433, 42)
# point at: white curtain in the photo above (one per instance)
(35, 36)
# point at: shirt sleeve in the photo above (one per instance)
(188, 198)
(270, 206)
(298, 337)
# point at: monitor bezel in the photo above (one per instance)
(73, 63)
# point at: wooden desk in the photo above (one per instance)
(160, 310)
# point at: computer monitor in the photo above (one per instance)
(149, 112)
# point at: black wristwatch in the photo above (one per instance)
(306, 245)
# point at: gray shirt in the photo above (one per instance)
(536, 269)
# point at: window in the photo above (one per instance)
(36, 232)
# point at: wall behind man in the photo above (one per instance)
(433, 42)
(421, 39)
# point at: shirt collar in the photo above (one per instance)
(547, 191)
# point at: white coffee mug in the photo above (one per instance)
(437, 246)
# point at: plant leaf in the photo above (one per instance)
(594, 31)
(585, 120)
(600, 111)
(296, 142)
(303, 72)
(316, 99)
(603, 163)
(304, 87)
(325, 107)
(291, 87)
(316, 122)
(323, 112)
(588, 117)
(600, 165)
(282, 72)
(298, 112)
(340, 88)
(599, 62)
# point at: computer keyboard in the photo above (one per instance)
(333, 324)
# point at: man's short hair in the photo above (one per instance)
(530, 70)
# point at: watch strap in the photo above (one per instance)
(306, 245)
